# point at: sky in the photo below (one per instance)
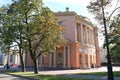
(79, 6)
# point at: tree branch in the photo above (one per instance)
(113, 12)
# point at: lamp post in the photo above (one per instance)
(109, 66)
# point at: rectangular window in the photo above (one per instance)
(60, 23)
(78, 32)
(11, 58)
(84, 34)
(80, 59)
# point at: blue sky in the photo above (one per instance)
(79, 6)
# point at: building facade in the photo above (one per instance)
(82, 48)
(9, 58)
(1, 58)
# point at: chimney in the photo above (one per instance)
(67, 9)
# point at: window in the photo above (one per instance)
(60, 58)
(84, 34)
(60, 23)
(11, 58)
(78, 32)
(86, 58)
(89, 36)
(66, 49)
(80, 59)
(1, 57)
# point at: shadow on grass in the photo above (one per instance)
(42, 77)
(116, 73)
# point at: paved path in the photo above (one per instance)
(10, 77)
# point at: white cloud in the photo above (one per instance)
(74, 2)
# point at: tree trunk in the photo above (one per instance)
(36, 70)
(22, 62)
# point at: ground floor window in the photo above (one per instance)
(80, 59)
(86, 58)
(60, 59)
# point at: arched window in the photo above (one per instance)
(60, 58)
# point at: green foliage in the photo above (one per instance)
(114, 39)
(46, 32)
(113, 24)
(31, 26)
(95, 6)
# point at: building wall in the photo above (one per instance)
(10, 59)
(81, 50)
(69, 31)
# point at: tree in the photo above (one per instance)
(12, 31)
(114, 39)
(43, 35)
(96, 7)
(33, 27)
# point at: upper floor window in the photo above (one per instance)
(78, 32)
(84, 34)
(11, 58)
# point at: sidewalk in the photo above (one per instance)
(11, 77)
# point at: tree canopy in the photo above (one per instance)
(112, 19)
(32, 26)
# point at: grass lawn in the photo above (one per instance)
(43, 77)
(116, 73)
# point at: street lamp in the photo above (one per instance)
(109, 66)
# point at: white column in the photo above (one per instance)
(81, 33)
(94, 60)
(50, 60)
(54, 60)
(92, 37)
(64, 56)
(87, 35)
(68, 56)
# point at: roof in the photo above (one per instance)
(72, 13)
